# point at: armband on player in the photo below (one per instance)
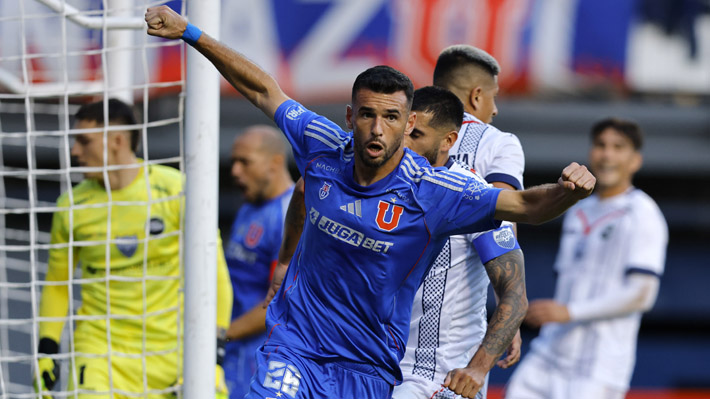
(191, 34)
(495, 243)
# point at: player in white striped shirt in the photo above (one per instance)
(448, 334)
(472, 75)
(612, 253)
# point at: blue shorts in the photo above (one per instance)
(240, 365)
(285, 375)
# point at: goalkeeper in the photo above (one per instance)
(127, 334)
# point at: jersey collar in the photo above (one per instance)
(468, 118)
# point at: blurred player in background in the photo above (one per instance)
(612, 254)
(446, 333)
(131, 293)
(377, 216)
(259, 169)
(472, 75)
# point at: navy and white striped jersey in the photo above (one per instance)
(495, 155)
(348, 292)
(602, 242)
(449, 311)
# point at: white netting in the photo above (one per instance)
(55, 56)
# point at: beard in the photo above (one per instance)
(389, 151)
(432, 155)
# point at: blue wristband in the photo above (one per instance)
(191, 34)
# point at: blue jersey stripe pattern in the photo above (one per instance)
(347, 295)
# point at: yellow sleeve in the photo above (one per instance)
(224, 289)
(54, 301)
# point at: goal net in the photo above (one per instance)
(57, 55)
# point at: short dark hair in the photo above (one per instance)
(384, 79)
(627, 128)
(446, 108)
(119, 113)
(460, 55)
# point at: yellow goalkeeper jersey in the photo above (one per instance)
(130, 281)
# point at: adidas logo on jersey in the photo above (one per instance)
(353, 208)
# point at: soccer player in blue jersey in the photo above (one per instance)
(377, 215)
(259, 169)
(450, 343)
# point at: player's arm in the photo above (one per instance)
(248, 78)
(225, 296)
(293, 227)
(248, 324)
(638, 295)
(54, 302)
(507, 275)
(542, 203)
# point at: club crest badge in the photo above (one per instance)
(504, 237)
(324, 190)
(127, 245)
(253, 236)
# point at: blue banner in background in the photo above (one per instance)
(315, 48)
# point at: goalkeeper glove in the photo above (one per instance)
(221, 391)
(220, 388)
(48, 369)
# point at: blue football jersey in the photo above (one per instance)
(253, 248)
(364, 250)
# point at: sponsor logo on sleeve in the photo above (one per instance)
(474, 189)
(295, 111)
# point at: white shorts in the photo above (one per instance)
(415, 387)
(536, 379)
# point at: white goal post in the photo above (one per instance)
(36, 108)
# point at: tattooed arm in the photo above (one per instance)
(507, 275)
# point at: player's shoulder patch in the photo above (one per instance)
(294, 111)
(504, 237)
